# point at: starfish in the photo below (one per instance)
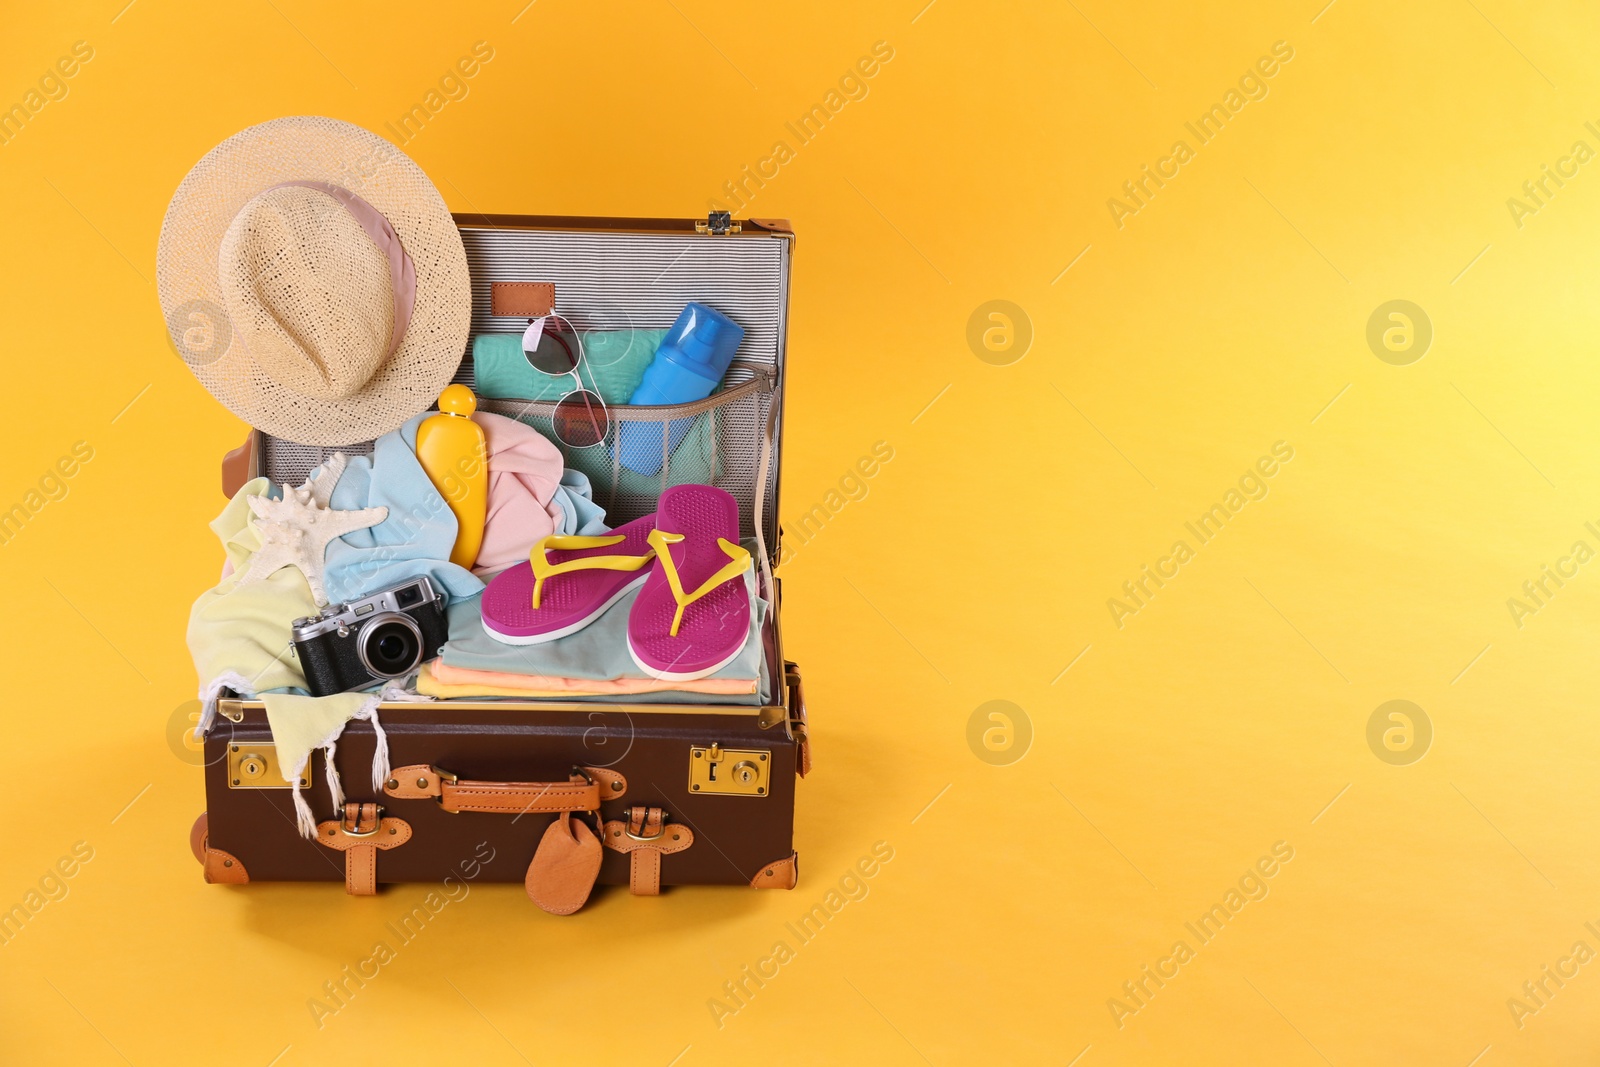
(295, 531)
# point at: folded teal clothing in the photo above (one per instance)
(598, 652)
(614, 362)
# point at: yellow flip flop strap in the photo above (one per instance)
(543, 568)
(739, 561)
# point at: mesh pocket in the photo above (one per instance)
(716, 441)
(287, 463)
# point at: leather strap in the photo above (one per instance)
(645, 836)
(763, 470)
(797, 717)
(359, 835)
(644, 873)
(521, 300)
(580, 792)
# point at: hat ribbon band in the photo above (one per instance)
(402, 272)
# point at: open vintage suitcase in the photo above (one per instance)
(688, 794)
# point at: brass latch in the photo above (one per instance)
(718, 223)
(729, 771)
(256, 767)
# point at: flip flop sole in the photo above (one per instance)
(715, 628)
(572, 600)
(681, 676)
(564, 631)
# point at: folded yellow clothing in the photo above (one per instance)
(439, 679)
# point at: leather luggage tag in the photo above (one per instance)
(565, 866)
(521, 300)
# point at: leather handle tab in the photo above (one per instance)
(522, 300)
(645, 836)
(360, 835)
(583, 791)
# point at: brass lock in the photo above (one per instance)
(256, 767)
(729, 772)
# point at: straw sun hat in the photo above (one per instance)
(313, 280)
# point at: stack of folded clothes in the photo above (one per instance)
(591, 663)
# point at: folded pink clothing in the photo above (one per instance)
(445, 674)
(524, 472)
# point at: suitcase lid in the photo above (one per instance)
(612, 273)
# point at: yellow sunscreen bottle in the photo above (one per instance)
(451, 448)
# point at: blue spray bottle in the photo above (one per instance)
(687, 366)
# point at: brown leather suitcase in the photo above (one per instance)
(502, 790)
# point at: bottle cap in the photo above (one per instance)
(457, 400)
(702, 341)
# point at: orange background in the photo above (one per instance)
(1042, 860)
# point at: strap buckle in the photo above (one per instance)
(444, 776)
(627, 828)
(348, 828)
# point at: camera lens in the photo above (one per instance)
(390, 646)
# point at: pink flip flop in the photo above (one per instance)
(692, 618)
(567, 583)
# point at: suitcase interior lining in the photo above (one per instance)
(622, 280)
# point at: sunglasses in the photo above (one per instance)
(553, 346)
